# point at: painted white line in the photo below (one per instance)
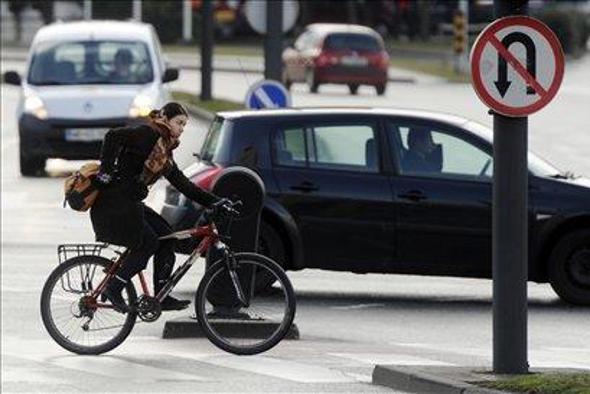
(282, 369)
(389, 358)
(115, 367)
(357, 306)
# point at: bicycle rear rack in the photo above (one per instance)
(66, 252)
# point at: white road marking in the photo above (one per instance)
(357, 306)
(283, 369)
(390, 358)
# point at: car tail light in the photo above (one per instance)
(380, 60)
(326, 59)
(206, 178)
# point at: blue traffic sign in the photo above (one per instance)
(267, 94)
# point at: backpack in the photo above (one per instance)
(79, 191)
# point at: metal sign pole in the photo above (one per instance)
(206, 49)
(273, 43)
(510, 231)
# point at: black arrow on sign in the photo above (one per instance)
(502, 84)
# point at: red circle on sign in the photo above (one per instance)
(484, 39)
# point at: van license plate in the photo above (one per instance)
(85, 135)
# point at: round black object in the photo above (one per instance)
(241, 183)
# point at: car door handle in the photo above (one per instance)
(413, 195)
(305, 187)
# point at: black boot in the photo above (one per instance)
(172, 304)
(113, 293)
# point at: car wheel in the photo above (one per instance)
(381, 89)
(311, 81)
(569, 267)
(354, 88)
(271, 245)
(31, 165)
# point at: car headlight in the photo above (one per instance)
(34, 105)
(141, 106)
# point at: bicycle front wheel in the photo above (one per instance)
(73, 318)
(235, 315)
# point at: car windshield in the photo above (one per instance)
(355, 42)
(537, 165)
(211, 143)
(91, 62)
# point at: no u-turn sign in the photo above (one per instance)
(516, 65)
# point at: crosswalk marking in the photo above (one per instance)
(116, 367)
(390, 358)
(283, 369)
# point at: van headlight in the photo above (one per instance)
(141, 106)
(34, 105)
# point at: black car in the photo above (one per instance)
(391, 191)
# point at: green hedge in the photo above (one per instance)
(572, 28)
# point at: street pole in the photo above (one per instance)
(187, 21)
(206, 49)
(510, 231)
(137, 10)
(87, 9)
(273, 42)
(464, 59)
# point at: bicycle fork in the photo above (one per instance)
(232, 266)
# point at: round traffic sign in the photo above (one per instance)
(255, 11)
(267, 94)
(516, 65)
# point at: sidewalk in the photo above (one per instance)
(238, 64)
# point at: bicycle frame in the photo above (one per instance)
(209, 237)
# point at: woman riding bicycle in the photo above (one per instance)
(132, 159)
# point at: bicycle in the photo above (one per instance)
(80, 321)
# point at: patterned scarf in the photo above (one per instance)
(160, 158)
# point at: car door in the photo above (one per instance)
(330, 179)
(444, 221)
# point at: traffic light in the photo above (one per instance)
(459, 32)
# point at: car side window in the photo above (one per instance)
(333, 147)
(290, 147)
(345, 147)
(431, 151)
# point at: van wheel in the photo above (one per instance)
(354, 88)
(569, 267)
(31, 165)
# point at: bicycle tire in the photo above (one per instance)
(200, 304)
(48, 321)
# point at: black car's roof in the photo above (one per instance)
(319, 111)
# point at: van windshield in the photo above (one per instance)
(91, 62)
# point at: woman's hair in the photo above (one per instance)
(170, 110)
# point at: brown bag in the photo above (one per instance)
(80, 193)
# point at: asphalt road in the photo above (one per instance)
(348, 322)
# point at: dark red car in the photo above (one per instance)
(324, 53)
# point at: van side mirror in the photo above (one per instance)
(12, 78)
(171, 74)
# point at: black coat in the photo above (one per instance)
(118, 213)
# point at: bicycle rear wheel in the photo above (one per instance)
(249, 327)
(73, 318)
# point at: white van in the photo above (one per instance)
(81, 79)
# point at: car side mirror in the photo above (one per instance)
(12, 78)
(197, 155)
(171, 74)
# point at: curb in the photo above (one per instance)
(189, 327)
(414, 379)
